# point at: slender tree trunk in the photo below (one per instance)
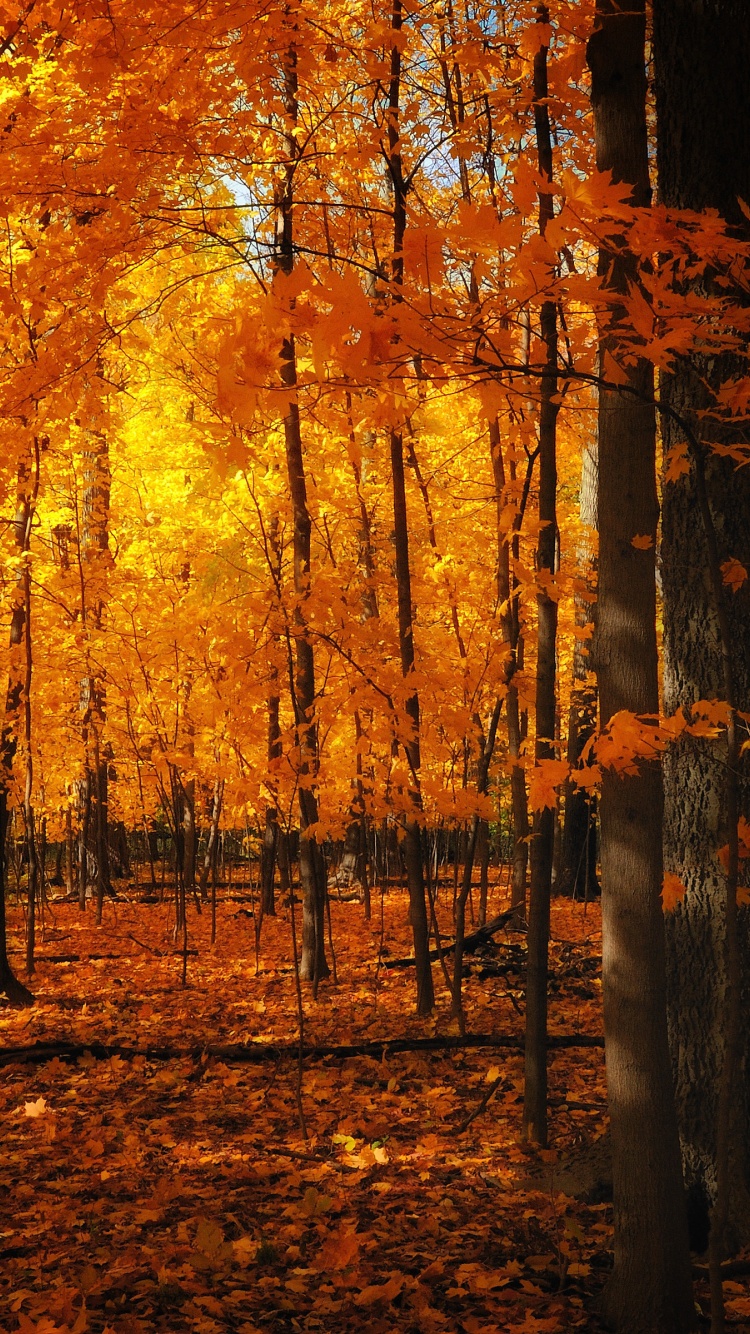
(313, 963)
(69, 851)
(26, 494)
(212, 842)
(33, 869)
(703, 160)
(94, 564)
(83, 838)
(411, 823)
(507, 597)
(269, 850)
(650, 1291)
(543, 833)
(483, 851)
(578, 871)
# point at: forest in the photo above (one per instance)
(374, 806)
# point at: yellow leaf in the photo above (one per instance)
(39, 1108)
(642, 541)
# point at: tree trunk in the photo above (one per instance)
(703, 158)
(650, 1291)
(94, 564)
(69, 854)
(411, 825)
(578, 871)
(483, 852)
(543, 833)
(25, 505)
(313, 963)
(212, 842)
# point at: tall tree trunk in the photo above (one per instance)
(411, 823)
(270, 847)
(25, 504)
(543, 833)
(650, 1290)
(212, 842)
(703, 160)
(69, 854)
(313, 963)
(95, 561)
(578, 871)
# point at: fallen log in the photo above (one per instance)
(471, 942)
(256, 1052)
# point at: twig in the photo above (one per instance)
(480, 1107)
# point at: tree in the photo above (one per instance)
(703, 159)
(651, 1287)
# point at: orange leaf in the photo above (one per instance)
(677, 462)
(734, 574)
(544, 779)
(672, 891)
(340, 1250)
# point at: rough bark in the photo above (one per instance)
(703, 159)
(650, 1290)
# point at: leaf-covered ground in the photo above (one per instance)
(180, 1194)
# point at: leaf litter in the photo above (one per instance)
(143, 1195)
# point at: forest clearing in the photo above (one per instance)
(375, 748)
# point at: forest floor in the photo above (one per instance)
(162, 1184)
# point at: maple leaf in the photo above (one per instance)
(734, 574)
(35, 1109)
(339, 1251)
(544, 780)
(677, 462)
(672, 891)
(642, 541)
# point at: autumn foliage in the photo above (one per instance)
(307, 312)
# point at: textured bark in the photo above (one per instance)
(703, 157)
(650, 1290)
